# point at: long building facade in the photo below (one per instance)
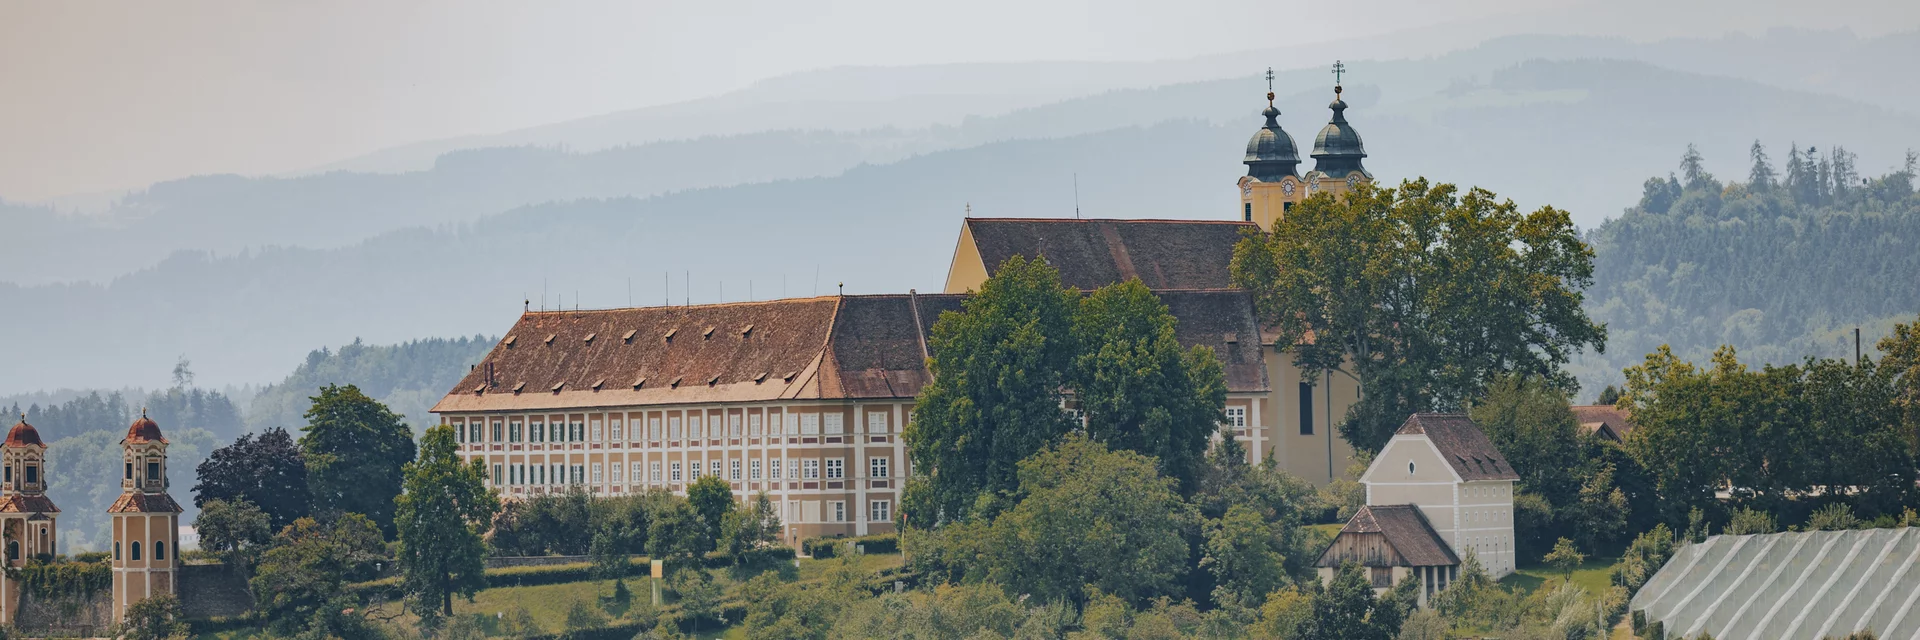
(806, 399)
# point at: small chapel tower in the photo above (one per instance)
(146, 520)
(26, 514)
(1272, 184)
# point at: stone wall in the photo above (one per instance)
(213, 591)
(533, 561)
(70, 616)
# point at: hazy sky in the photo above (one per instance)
(97, 95)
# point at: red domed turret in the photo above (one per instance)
(24, 434)
(144, 430)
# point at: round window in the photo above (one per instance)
(1409, 467)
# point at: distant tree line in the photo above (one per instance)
(408, 377)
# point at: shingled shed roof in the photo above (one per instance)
(878, 349)
(144, 503)
(1464, 446)
(16, 503)
(1164, 254)
(1405, 528)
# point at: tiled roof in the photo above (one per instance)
(1405, 528)
(839, 347)
(1464, 446)
(143, 430)
(23, 435)
(16, 503)
(1164, 254)
(144, 503)
(1603, 419)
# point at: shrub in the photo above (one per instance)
(1833, 517)
(825, 547)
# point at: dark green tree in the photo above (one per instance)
(677, 535)
(154, 618)
(355, 449)
(1246, 556)
(1139, 389)
(1422, 294)
(999, 366)
(236, 530)
(265, 469)
(440, 518)
(712, 498)
(299, 582)
(750, 526)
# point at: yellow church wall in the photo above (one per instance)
(1321, 456)
(967, 271)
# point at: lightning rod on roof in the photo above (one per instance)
(1076, 195)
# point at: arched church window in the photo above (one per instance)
(116, 550)
(133, 550)
(159, 550)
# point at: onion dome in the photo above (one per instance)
(24, 435)
(1337, 150)
(144, 430)
(1271, 153)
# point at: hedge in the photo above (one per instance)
(823, 548)
(66, 578)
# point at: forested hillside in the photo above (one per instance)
(408, 378)
(1782, 265)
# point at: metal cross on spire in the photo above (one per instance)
(1338, 69)
(1269, 78)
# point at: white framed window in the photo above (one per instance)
(513, 432)
(733, 468)
(537, 432)
(776, 469)
(876, 422)
(459, 432)
(836, 424)
(810, 424)
(1237, 418)
(675, 470)
(653, 428)
(579, 474)
(754, 425)
(880, 511)
(597, 477)
(615, 427)
(557, 475)
(673, 428)
(792, 422)
(839, 511)
(733, 425)
(753, 468)
(474, 432)
(812, 468)
(497, 426)
(613, 471)
(836, 468)
(653, 471)
(695, 427)
(579, 432)
(693, 472)
(877, 467)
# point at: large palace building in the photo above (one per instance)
(805, 399)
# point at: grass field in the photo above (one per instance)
(1592, 575)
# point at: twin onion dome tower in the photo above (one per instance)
(146, 520)
(1273, 183)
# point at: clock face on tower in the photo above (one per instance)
(1287, 187)
(1246, 188)
(1352, 181)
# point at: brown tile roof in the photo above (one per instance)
(1604, 419)
(24, 435)
(16, 503)
(1224, 320)
(1164, 254)
(143, 430)
(1405, 527)
(838, 347)
(1462, 444)
(136, 502)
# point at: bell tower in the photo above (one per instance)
(146, 520)
(27, 516)
(1337, 151)
(1272, 184)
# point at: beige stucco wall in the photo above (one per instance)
(1323, 455)
(967, 271)
(1269, 199)
(1467, 515)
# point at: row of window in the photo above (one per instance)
(133, 550)
(673, 428)
(836, 511)
(561, 474)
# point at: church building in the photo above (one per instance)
(27, 515)
(806, 399)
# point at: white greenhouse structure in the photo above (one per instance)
(1808, 585)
